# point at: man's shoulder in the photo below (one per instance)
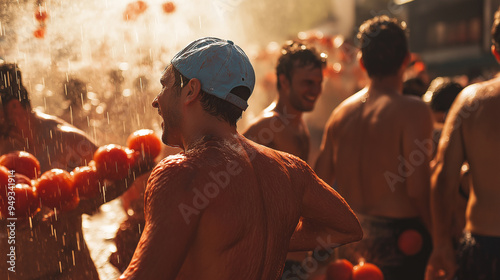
(266, 120)
(347, 108)
(172, 166)
(480, 91)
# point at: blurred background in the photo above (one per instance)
(97, 63)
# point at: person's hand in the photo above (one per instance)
(441, 265)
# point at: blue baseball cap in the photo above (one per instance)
(220, 65)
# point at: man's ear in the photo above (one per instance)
(494, 51)
(360, 61)
(191, 91)
(284, 82)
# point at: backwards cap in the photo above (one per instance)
(220, 65)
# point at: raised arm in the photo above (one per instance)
(326, 216)
(167, 235)
(417, 151)
(445, 182)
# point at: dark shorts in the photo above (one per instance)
(380, 247)
(293, 271)
(478, 257)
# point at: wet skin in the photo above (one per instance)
(281, 126)
(253, 199)
(247, 226)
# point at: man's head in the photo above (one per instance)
(440, 95)
(300, 74)
(220, 75)
(14, 98)
(495, 35)
(11, 85)
(384, 46)
(415, 87)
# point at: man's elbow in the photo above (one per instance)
(352, 232)
(357, 232)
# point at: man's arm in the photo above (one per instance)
(324, 166)
(326, 216)
(445, 182)
(167, 236)
(417, 151)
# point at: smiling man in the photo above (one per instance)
(299, 78)
(227, 208)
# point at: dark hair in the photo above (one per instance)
(214, 105)
(11, 85)
(495, 30)
(415, 87)
(75, 90)
(296, 54)
(384, 45)
(441, 94)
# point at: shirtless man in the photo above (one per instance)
(52, 247)
(376, 150)
(299, 77)
(471, 133)
(280, 126)
(227, 208)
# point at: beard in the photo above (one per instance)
(299, 104)
(172, 121)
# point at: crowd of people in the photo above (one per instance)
(397, 156)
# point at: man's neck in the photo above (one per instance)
(286, 110)
(212, 126)
(387, 85)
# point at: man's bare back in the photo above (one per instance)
(228, 209)
(369, 141)
(475, 137)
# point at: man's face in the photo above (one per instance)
(305, 87)
(167, 102)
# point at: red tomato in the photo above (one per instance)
(21, 179)
(339, 270)
(22, 163)
(4, 179)
(112, 162)
(168, 7)
(134, 9)
(367, 271)
(39, 33)
(23, 199)
(55, 188)
(86, 181)
(146, 142)
(41, 15)
(70, 204)
(410, 242)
